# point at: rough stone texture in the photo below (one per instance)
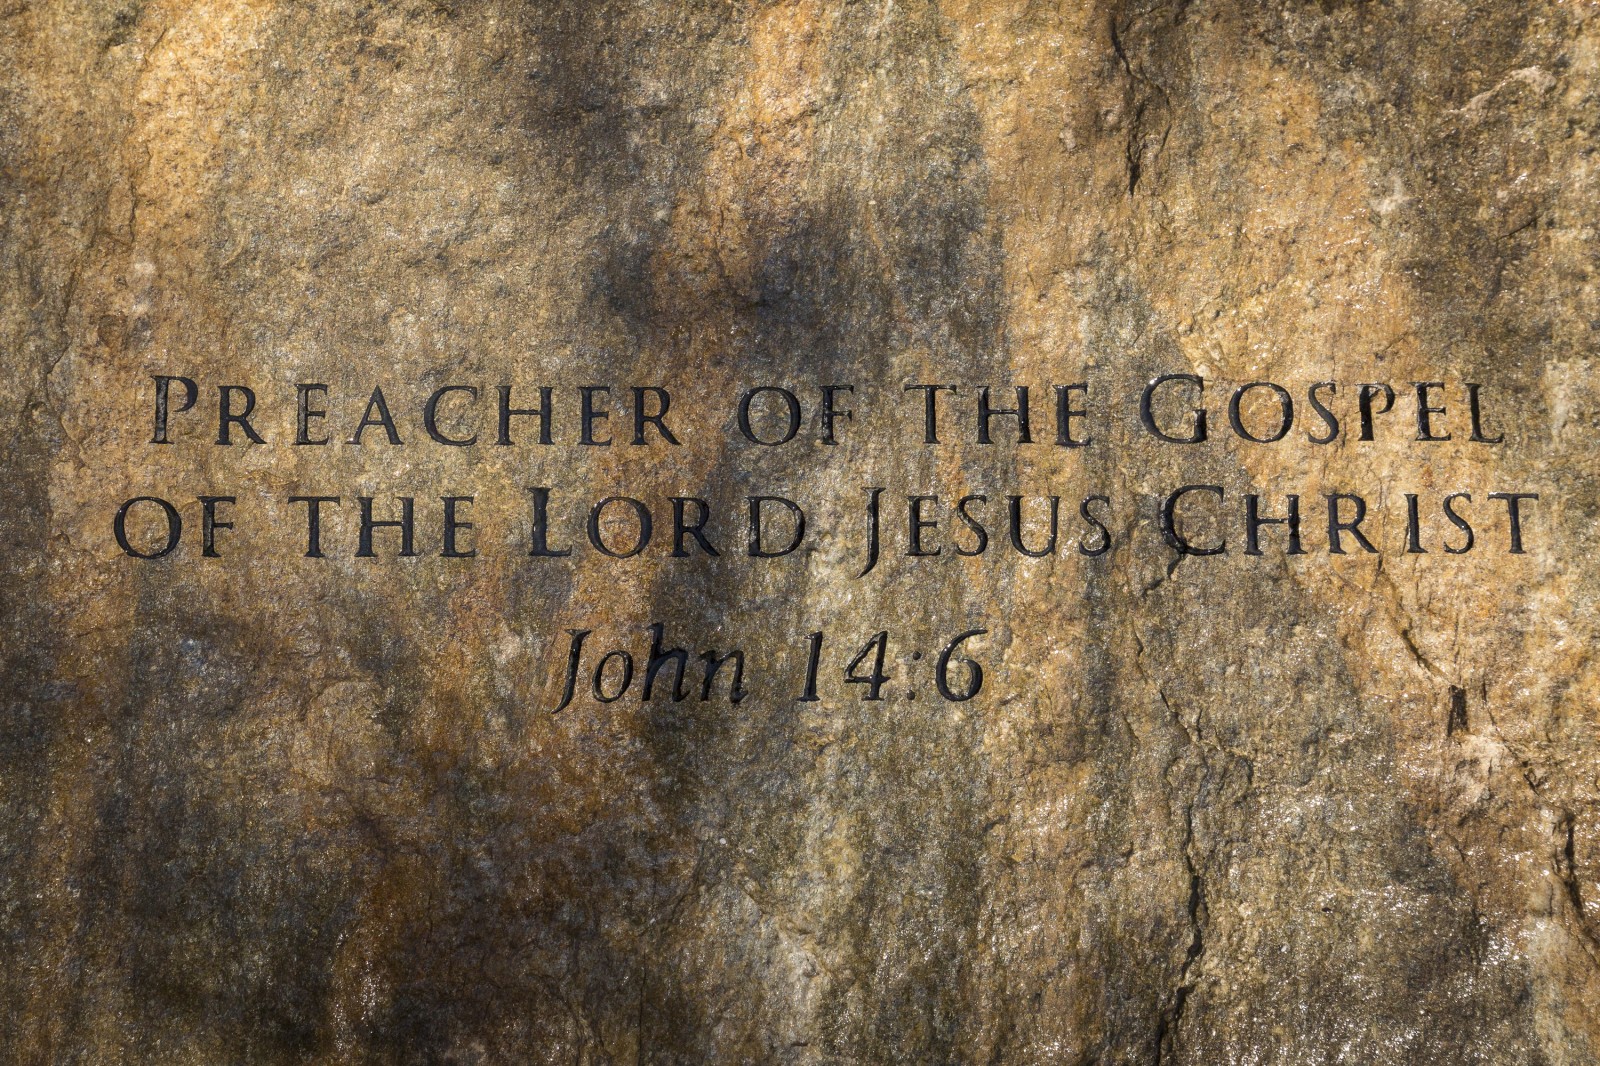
(268, 809)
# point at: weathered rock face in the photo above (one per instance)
(1286, 808)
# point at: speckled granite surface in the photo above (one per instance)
(260, 807)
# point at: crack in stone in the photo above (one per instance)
(1134, 143)
(1167, 1025)
(1567, 867)
(1172, 1014)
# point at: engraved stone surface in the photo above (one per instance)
(364, 793)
